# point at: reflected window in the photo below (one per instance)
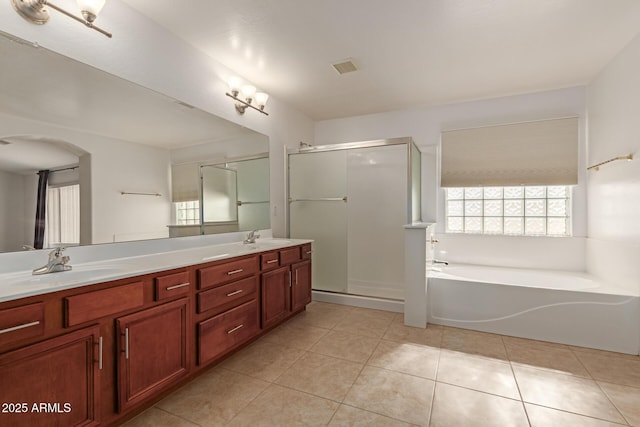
(63, 216)
(187, 213)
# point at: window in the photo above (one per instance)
(63, 216)
(188, 213)
(520, 211)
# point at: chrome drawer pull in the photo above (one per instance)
(17, 328)
(126, 343)
(240, 270)
(181, 285)
(309, 252)
(230, 331)
(100, 353)
(272, 261)
(230, 294)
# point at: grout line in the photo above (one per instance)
(170, 413)
(578, 414)
(612, 402)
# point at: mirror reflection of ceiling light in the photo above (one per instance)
(245, 96)
(35, 11)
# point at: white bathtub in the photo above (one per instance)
(557, 306)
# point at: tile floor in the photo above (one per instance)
(345, 366)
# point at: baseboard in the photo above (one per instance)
(359, 301)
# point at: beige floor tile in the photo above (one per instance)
(538, 355)
(411, 359)
(393, 394)
(609, 367)
(626, 399)
(568, 393)
(281, 406)
(478, 373)
(455, 406)
(326, 319)
(376, 314)
(540, 416)
(263, 360)
(348, 416)
(365, 323)
(604, 353)
(355, 348)
(321, 375)
(473, 342)
(213, 398)
(154, 417)
(532, 343)
(295, 336)
(398, 331)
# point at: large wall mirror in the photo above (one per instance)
(124, 163)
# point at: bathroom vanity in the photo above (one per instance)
(81, 352)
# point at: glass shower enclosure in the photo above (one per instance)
(353, 201)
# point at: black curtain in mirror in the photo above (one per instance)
(41, 209)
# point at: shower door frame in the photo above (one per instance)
(407, 141)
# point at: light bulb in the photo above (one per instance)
(248, 93)
(234, 85)
(261, 99)
(90, 8)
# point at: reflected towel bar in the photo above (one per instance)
(628, 157)
(141, 194)
(323, 199)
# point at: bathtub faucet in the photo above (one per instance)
(437, 261)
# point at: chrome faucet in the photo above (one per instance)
(251, 237)
(437, 261)
(56, 263)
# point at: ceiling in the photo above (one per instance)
(410, 53)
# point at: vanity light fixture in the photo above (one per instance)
(35, 11)
(245, 95)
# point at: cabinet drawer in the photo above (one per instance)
(226, 296)
(306, 251)
(22, 322)
(227, 330)
(94, 305)
(223, 273)
(172, 285)
(290, 255)
(269, 261)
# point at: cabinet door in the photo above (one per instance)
(52, 383)
(153, 351)
(301, 285)
(275, 289)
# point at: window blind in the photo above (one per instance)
(532, 153)
(185, 182)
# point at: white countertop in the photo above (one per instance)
(22, 284)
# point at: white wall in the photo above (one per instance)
(147, 54)
(613, 103)
(115, 166)
(12, 235)
(425, 125)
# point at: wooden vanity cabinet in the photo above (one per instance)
(300, 285)
(111, 349)
(55, 382)
(153, 351)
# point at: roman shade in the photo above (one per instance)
(185, 182)
(533, 153)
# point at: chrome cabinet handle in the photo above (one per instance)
(230, 331)
(17, 328)
(272, 261)
(230, 294)
(296, 277)
(126, 343)
(181, 285)
(289, 278)
(240, 270)
(100, 353)
(309, 252)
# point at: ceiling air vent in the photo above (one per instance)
(344, 67)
